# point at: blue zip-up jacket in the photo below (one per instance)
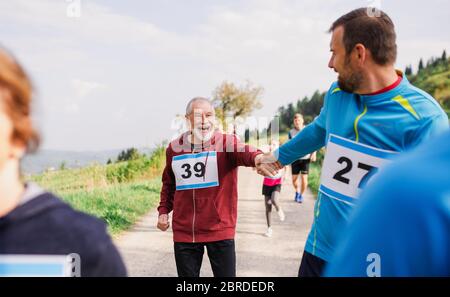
(413, 236)
(396, 120)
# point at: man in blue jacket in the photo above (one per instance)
(402, 225)
(370, 114)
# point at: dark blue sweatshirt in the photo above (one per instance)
(44, 225)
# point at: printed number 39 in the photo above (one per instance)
(199, 169)
(371, 170)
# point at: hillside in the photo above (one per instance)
(118, 193)
(434, 78)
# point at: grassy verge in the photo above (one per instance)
(117, 193)
(314, 172)
(314, 178)
(120, 206)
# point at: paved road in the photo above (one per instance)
(149, 252)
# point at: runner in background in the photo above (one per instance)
(369, 116)
(271, 191)
(300, 166)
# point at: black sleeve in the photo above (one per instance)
(107, 263)
(98, 254)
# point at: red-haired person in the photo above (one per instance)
(32, 221)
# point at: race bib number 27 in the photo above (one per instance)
(349, 166)
(195, 171)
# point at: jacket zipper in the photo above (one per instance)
(193, 197)
(355, 124)
(193, 217)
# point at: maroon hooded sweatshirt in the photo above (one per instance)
(205, 214)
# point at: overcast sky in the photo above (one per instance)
(117, 75)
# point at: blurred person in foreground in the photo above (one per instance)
(34, 222)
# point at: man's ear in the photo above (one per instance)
(360, 53)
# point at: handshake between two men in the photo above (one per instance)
(267, 164)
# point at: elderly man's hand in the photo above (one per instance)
(267, 164)
(163, 222)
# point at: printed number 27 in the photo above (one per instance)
(371, 170)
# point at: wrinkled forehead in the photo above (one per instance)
(202, 106)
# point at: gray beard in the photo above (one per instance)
(203, 138)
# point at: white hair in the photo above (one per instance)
(192, 101)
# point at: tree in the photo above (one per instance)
(408, 70)
(420, 65)
(109, 161)
(247, 135)
(63, 165)
(236, 101)
(128, 155)
(444, 56)
(284, 121)
(300, 103)
(290, 112)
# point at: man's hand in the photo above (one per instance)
(163, 222)
(267, 164)
(313, 157)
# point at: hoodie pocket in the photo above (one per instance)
(183, 215)
(207, 216)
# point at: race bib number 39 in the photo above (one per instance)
(196, 171)
(348, 167)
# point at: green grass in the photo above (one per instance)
(435, 80)
(314, 178)
(117, 193)
(314, 172)
(120, 206)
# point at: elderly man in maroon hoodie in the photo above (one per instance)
(200, 187)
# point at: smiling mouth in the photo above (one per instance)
(203, 132)
(204, 128)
